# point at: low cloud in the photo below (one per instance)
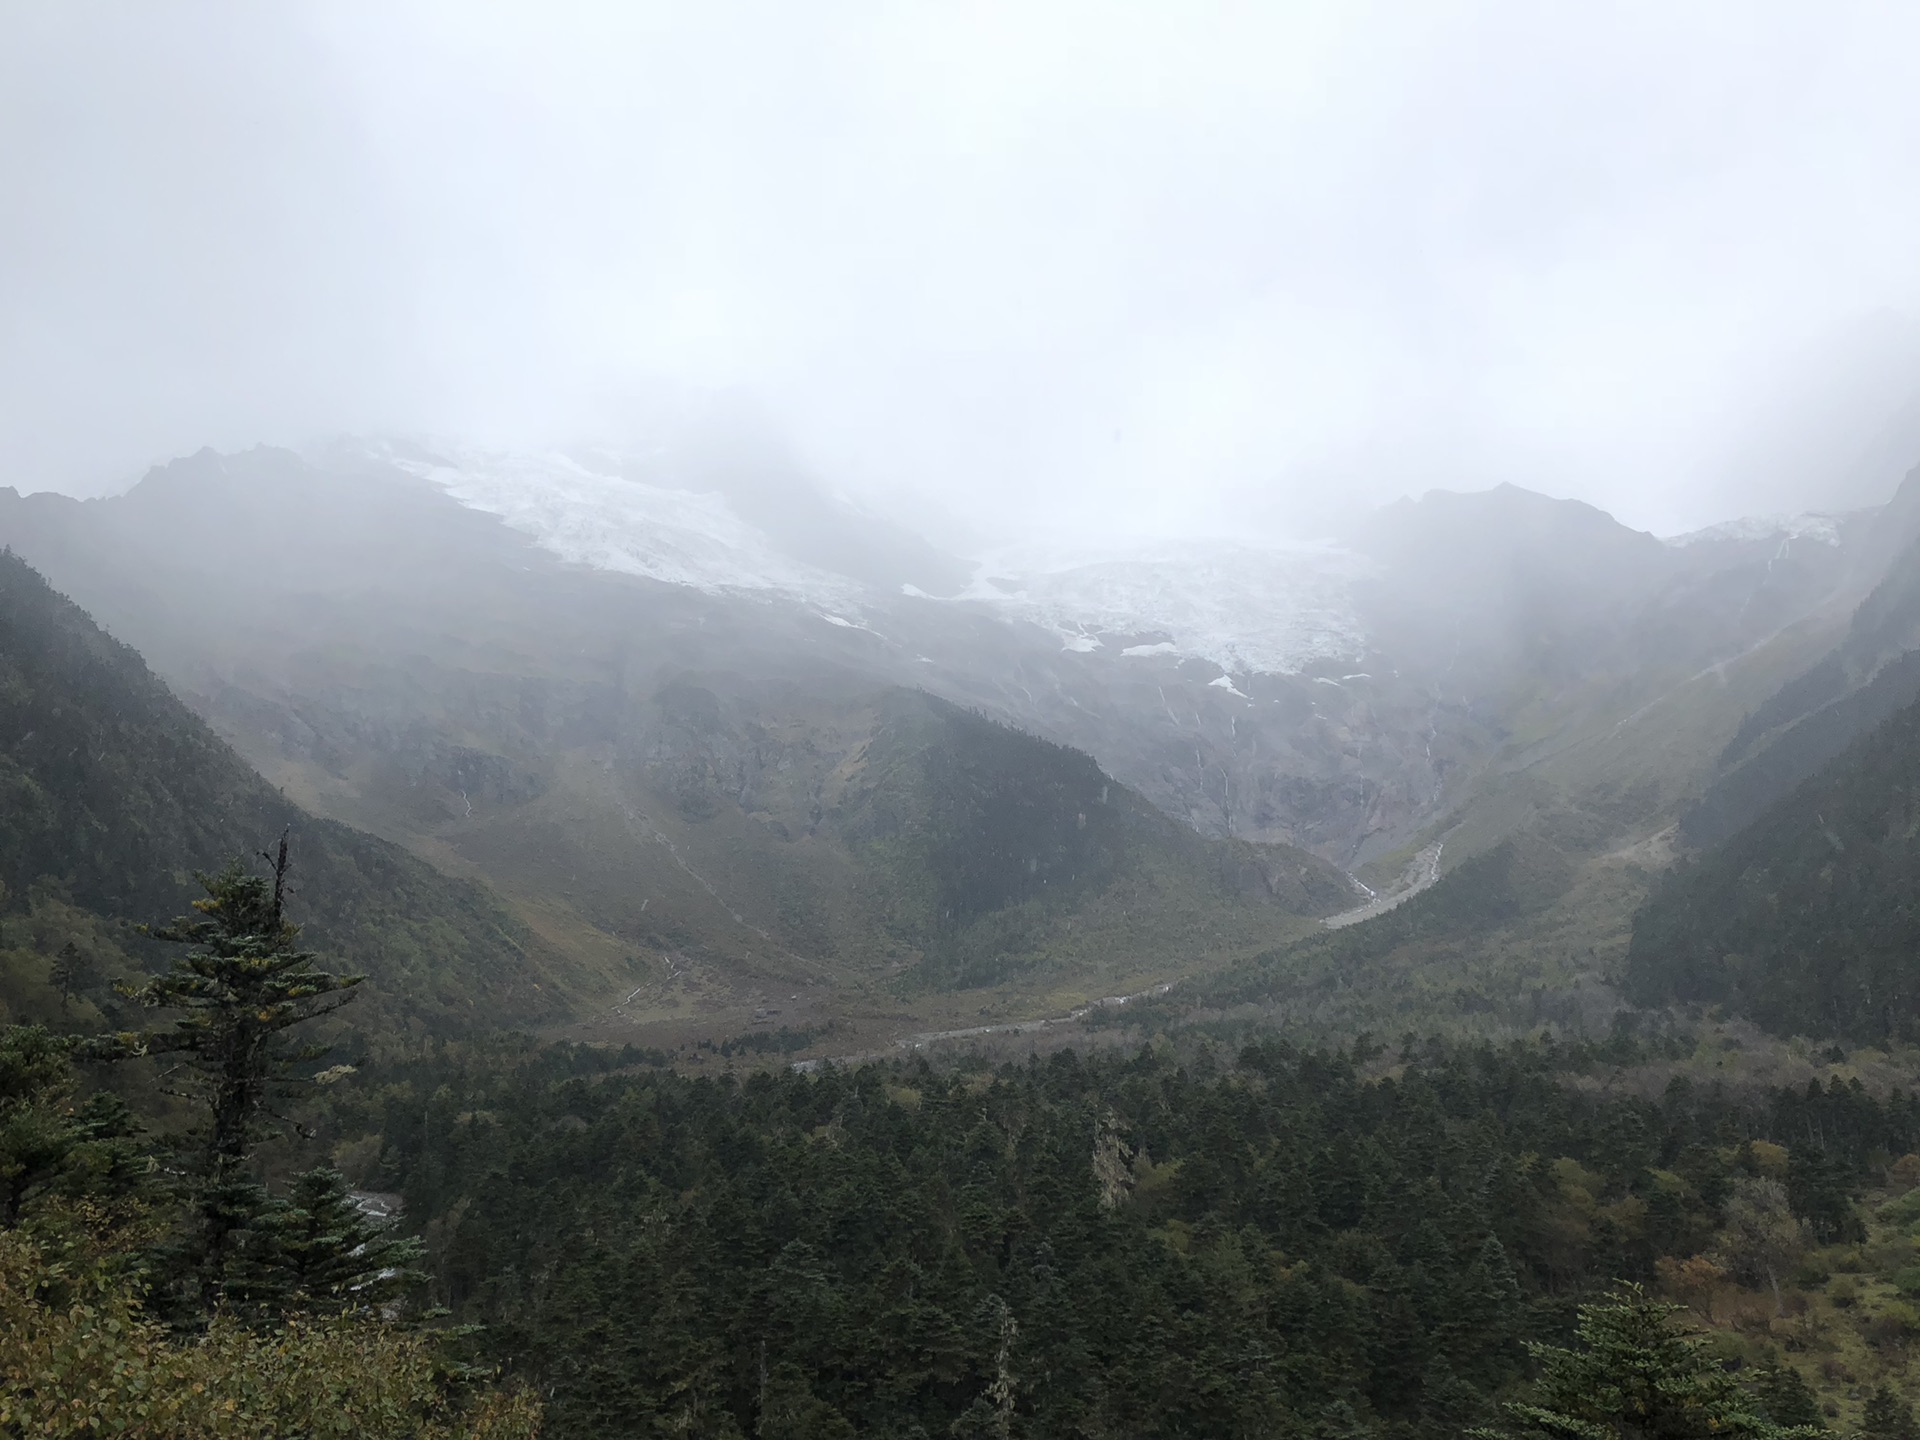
(1108, 269)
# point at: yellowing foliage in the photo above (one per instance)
(77, 1357)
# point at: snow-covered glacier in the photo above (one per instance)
(1248, 608)
(1267, 609)
(1824, 529)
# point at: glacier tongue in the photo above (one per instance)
(1271, 609)
(1822, 528)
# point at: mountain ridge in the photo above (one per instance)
(603, 747)
(1351, 757)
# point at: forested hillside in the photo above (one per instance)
(112, 792)
(152, 1283)
(1808, 920)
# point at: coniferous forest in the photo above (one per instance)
(1423, 1240)
(1278, 1242)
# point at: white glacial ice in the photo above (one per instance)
(1823, 528)
(610, 522)
(1247, 608)
(1265, 609)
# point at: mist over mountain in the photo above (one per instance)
(1339, 696)
(678, 782)
(630, 693)
(115, 793)
(1493, 579)
(624, 748)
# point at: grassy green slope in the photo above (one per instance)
(723, 843)
(112, 792)
(993, 846)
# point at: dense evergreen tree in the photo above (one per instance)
(242, 984)
(82, 1352)
(52, 1142)
(1787, 1400)
(1636, 1376)
(1887, 1417)
(328, 1254)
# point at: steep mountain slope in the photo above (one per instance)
(112, 792)
(803, 847)
(1569, 823)
(1797, 909)
(1808, 919)
(692, 841)
(381, 558)
(1362, 696)
(635, 698)
(987, 838)
(1873, 672)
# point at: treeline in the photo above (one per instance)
(1293, 1243)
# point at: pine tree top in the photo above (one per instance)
(1636, 1375)
(245, 966)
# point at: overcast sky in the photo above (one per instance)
(1096, 267)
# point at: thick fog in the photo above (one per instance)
(1089, 269)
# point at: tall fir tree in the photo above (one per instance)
(241, 985)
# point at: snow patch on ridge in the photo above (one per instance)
(1825, 529)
